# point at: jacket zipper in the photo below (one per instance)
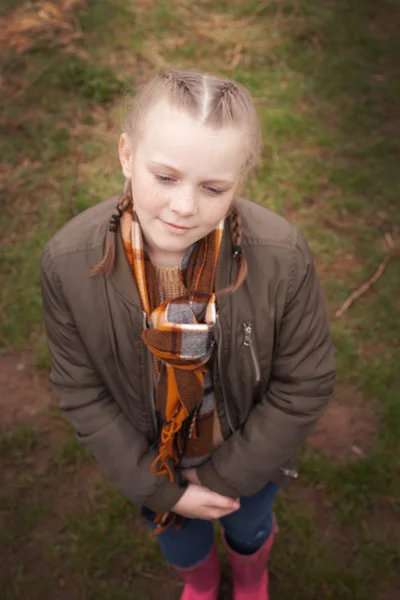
(248, 342)
(219, 356)
(151, 383)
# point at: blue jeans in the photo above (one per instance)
(246, 530)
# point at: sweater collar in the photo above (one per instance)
(123, 279)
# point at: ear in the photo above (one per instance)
(125, 155)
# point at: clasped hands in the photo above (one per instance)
(198, 502)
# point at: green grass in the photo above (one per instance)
(20, 442)
(325, 76)
(95, 83)
(72, 453)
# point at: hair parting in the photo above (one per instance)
(206, 100)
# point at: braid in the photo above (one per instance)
(106, 265)
(183, 89)
(224, 103)
(126, 200)
(235, 225)
(179, 81)
(228, 87)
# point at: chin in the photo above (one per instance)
(174, 247)
(168, 245)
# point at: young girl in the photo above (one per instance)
(187, 331)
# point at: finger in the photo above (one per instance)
(223, 502)
(217, 513)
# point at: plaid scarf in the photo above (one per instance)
(181, 336)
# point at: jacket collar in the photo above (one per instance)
(122, 276)
(226, 270)
(123, 279)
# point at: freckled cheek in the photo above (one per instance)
(149, 198)
(213, 212)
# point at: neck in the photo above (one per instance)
(165, 259)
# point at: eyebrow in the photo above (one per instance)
(179, 173)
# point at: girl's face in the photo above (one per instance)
(184, 177)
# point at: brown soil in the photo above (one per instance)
(321, 512)
(23, 392)
(341, 267)
(385, 519)
(347, 429)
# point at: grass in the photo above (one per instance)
(325, 76)
(20, 442)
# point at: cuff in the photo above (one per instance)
(165, 497)
(210, 478)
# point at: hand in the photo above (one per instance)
(199, 502)
(191, 475)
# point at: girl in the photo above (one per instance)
(187, 331)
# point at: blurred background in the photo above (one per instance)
(326, 80)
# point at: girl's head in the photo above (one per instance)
(187, 147)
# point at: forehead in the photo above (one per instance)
(172, 136)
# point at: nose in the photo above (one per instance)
(184, 204)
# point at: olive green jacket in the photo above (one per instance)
(273, 367)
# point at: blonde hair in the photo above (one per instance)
(214, 101)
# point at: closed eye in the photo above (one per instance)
(213, 190)
(164, 178)
(167, 179)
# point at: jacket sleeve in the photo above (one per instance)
(121, 451)
(301, 384)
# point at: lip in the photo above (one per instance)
(177, 228)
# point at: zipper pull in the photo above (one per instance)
(248, 343)
(247, 334)
(292, 473)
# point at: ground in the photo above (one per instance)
(47, 481)
(325, 78)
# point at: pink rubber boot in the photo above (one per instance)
(249, 572)
(202, 580)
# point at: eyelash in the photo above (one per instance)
(164, 178)
(168, 180)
